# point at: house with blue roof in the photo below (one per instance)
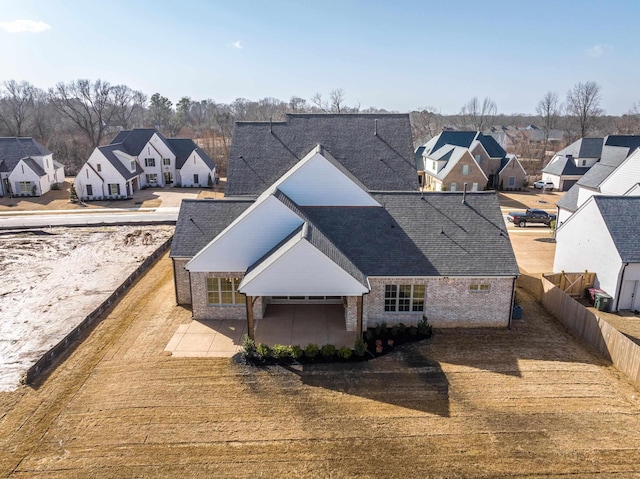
(142, 158)
(326, 210)
(454, 158)
(27, 168)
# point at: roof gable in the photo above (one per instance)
(621, 215)
(299, 266)
(376, 149)
(13, 149)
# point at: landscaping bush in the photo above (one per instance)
(360, 347)
(280, 351)
(248, 349)
(311, 350)
(424, 328)
(328, 351)
(345, 352)
(296, 352)
(264, 352)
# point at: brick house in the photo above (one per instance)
(326, 209)
(453, 158)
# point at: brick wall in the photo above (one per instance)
(183, 286)
(351, 313)
(475, 175)
(449, 303)
(202, 309)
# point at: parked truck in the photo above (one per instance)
(520, 218)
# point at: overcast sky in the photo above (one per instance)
(398, 54)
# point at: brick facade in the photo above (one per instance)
(182, 281)
(449, 303)
(203, 310)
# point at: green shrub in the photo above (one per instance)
(369, 334)
(402, 328)
(424, 328)
(296, 351)
(345, 352)
(264, 352)
(413, 331)
(381, 328)
(311, 350)
(394, 330)
(280, 351)
(328, 351)
(360, 347)
(248, 348)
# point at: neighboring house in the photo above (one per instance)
(453, 158)
(616, 174)
(510, 137)
(142, 158)
(603, 236)
(339, 219)
(569, 165)
(27, 168)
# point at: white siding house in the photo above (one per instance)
(27, 168)
(142, 158)
(602, 237)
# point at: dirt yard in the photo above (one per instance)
(53, 278)
(525, 402)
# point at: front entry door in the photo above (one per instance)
(168, 178)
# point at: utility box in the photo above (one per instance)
(602, 302)
(517, 312)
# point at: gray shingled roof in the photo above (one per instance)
(183, 147)
(37, 169)
(466, 138)
(570, 199)
(430, 235)
(419, 159)
(200, 221)
(565, 166)
(133, 141)
(108, 152)
(621, 215)
(261, 152)
(413, 235)
(13, 149)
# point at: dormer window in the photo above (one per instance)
(133, 165)
(435, 167)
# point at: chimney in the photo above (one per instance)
(464, 194)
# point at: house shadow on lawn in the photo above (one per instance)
(407, 378)
(414, 375)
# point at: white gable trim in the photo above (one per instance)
(513, 158)
(249, 237)
(298, 268)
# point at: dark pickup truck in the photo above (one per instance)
(530, 216)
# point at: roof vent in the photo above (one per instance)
(271, 125)
(464, 194)
(375, 132)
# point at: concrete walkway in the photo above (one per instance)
(289, 324)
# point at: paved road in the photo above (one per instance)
(36, 219)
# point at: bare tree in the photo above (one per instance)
(583, 106)
(549, 110)
(319, 103)
(16, 106)
(337, 97)
(478, 115)
(297, 104)
(88, 105)
(425, 125)
(129, 106)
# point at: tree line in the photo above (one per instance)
(72, 118)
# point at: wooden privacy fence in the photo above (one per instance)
(573, 284)
(46, 360)
(584, 324)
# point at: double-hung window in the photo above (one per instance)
(150, 162)
(404, 297)
(224, 291)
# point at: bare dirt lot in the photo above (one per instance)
(53, 278)
(524, 402)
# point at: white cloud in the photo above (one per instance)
(18, 26)
(237, 45)
(599, 50)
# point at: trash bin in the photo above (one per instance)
(517, 312)
(602, 302)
